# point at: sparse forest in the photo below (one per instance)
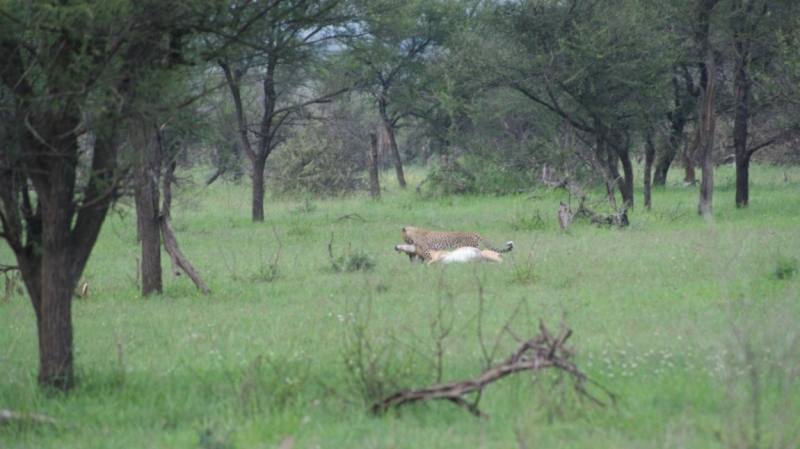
(254, 141)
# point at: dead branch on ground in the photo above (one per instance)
(542, 351)
(619, 219)
(345, 217)
(8, 416)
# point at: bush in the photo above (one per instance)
(312, 166)
(786, 267)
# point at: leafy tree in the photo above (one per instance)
(75, 72)
(756, 28)
(598, 65)
(388, 48)
(283, 47)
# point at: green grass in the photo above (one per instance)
(686, 320)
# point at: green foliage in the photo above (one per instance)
(266, 272)
(357, 260)
(474, 174)
(528, 221)
(524, 272)
(312, 166)
(785, 267)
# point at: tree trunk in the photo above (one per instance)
(144, 140)
(742, 180)
(687, 157)
(626, 183)
(258, 189)
(608, 163)
(677, 118)
(54, 317)
(58, 276)
(179, 260)
(665, 158)
(387, 123)
(398, 163)
(742, 33)
(706, 117)
(374, 186)
(649, 155)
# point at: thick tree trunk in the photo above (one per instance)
(649, 155)
(374, 186)
(145, 142)
(59, 271)
(54, 317)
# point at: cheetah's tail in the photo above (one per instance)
(509, 247)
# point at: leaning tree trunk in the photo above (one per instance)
(398, 163)
(145, 142)
(179, 260)
(387, 123)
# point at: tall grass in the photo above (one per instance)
(684, 319)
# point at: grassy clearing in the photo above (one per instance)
(691, 323)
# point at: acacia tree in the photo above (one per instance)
(72, 72)
(599, 70)
(683, 105)
(282, 48)
(756, 28)
(157, 147)
(387, 50)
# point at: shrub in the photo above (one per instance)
(785, 267)
(313, 166)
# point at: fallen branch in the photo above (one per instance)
(540, 352)
(345, 217)
(619, 219)
(9, 416)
